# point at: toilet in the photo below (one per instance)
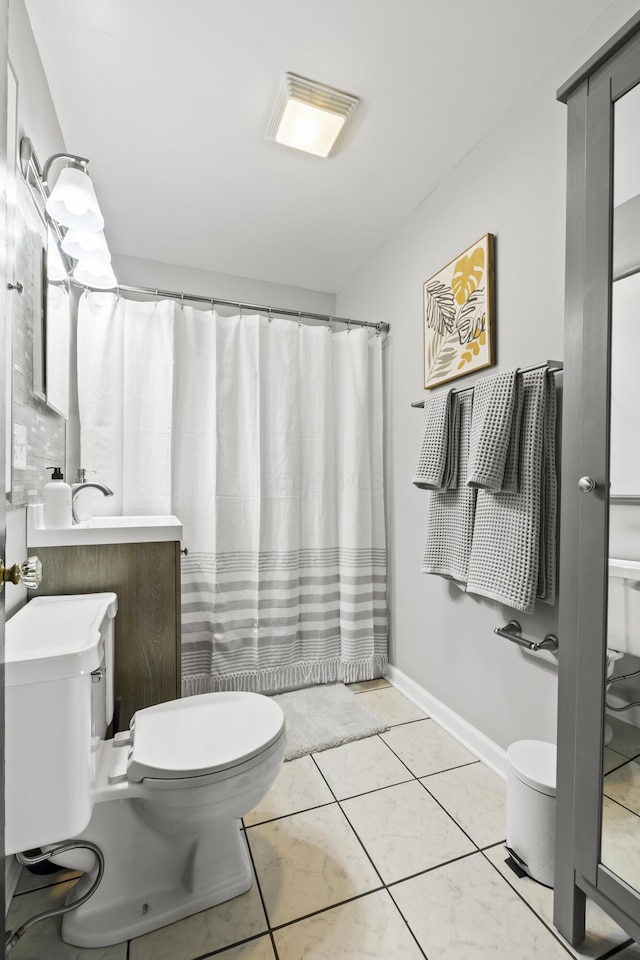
(163, 801)
(623, 617)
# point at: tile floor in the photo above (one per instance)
(389, 848)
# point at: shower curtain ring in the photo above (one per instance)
(299, 318)
(240, 308)
(348, 325)
(182, 301)
(212, 302)
(269, 317)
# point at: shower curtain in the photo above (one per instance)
(264, 436)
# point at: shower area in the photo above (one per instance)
(263, 434)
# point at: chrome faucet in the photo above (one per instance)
(86, 485)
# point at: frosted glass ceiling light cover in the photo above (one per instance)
(82, 245)
(309, 115)
(95, 274)
(73, 201)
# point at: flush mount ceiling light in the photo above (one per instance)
(309, 115)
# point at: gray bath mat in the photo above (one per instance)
(325, 716)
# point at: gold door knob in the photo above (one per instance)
(28, 573)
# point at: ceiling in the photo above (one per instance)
(170, 99)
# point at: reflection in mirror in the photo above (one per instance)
(620, 850)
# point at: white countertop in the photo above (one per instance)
(143, 529)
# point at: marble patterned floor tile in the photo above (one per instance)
(363, 685)
(623, 785)
(260, 949)
(621, 842)
(392, 706)
(360, 766)
(307, 862)
(204, 932)
(603, 934)
(368, 927)
(43, 940)
(626, 737)
(404, 831)
(467, 911)
(426, 748)
(299, 786)
(613, 759)
(32, 881)
(476, 799)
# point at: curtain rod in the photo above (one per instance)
(555, 366)
(213, 301)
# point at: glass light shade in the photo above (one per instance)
(82, 245)
(73, 201)
(55, 267)
(308, 128)
(93, 274)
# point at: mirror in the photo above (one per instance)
(620, 841)
(38, 360)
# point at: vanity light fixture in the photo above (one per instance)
(82, 245)
(72, 212)
(91, 274)
(309, 116)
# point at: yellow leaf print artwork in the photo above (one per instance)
(467, 275)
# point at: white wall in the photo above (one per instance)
(513, 185)
(150, 273)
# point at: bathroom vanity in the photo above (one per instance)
(138, 558)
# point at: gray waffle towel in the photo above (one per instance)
(493, 425)
(450, 514)
(514, 533)
(437, 467)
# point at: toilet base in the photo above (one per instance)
(151, 880)
(128, 921)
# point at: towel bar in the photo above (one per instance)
(555, 366)
(513, 631)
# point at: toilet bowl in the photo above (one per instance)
(163, 801)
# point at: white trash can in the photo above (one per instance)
(531, 807)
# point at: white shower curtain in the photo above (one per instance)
(265, 439)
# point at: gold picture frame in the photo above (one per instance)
(458, 316)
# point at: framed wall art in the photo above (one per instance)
(459, 323)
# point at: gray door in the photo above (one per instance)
(586, 475)
(3, 283)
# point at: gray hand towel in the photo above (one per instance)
(492, 425)
(450, 515)
(437, 467)
(515, 532)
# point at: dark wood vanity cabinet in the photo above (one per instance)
(146, 578)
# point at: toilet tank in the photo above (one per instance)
(623, 625)
(59, 702)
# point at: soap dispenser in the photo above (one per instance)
(57, 501)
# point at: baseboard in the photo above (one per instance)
(12, 871)
(476, 742)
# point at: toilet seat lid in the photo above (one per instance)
(204, 734)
